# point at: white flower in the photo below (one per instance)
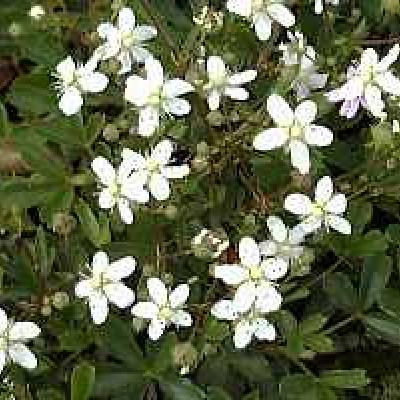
(37, 12)
(165, 307)
(284, 246)
(153, 171)
(366, 82)
(396, 126)
(261, 13)
(326, 210)
(254, 278)
(155, 96)
(104, 285)
(222, 82)
(295, 131)
(248, 323)
(125, 41)
(73, 81)
(13, 336)
(296, 52)
(118, 187)
(319, 5)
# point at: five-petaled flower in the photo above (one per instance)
(295, 131)
(73, 81)
(153, 171)
(248, 323)
(366, 82)
(326, 210)
(118, 186)
(165, 307)
(253, 277)
(222, 82)
(261, 13)
(13, 336)
(125, 40)
(155, 96)
(104, 285)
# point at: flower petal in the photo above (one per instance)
(149, 121)
(94, 82)
(71, 101)
(156, 328)
(244, 296)
(145, 32)
(264, 330)
(119, 294)
(280, 111)
(373, 100)
(268, 298)
(216, 68)
(268, 248)
(22, 356)
(242, 77)
(175, 171)
(66, 69)
(214, 99)
(239, 7)
(3, 320)
(389, 83)
(159, 187)
(125, 211)
(120, 269)
(182, 318)
(145, 309)
(22, 331)
(275, 268)
(98, 308)
(176, 106)
(224, 309)
(126, 19)
(249, 252)
(176, 87)
(136, 160)
(298, 204)
(179, 296)
(262, 26)
(337, 204)
(84, 288)
(155, 72)
(277, 228)
(133, 189)
(99, 263)
(271, 138)
(306, 112)
(316, 135)
(300, 156)
(136, 90)
(104, 170)
(339, 224)
(231, 274)
(236, 93)
(3, 360)
(281, 14)
(324, 190)
(243, 334)
(390, 58)
(106, 199)
(157, 291)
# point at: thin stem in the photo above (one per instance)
(339, 325)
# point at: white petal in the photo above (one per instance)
(136, 160)
(156, 328)
(243, 334)
(249, 253)
(137, 90)
(350, 107)
(268, 298)
(106, 199)
(22, 331)
(316, 135)
(126, 19)
(104, 170)
(296, 235)
(2, 361)
(277, 228)
(162, 152)
(133, 189)
(280, 111)
(216, 68)
(99, 263)
(157, 291)
(298, 204)
(300, 156)
(271, 138)
(84, 288)
(264, 330)
(145, 309)
(213, 99)
(21, 355)
(94, 82)
(176, 87)
(306, 112)
(175, 171)
(119, 294)
(389, 83)
(125, 211)
(373, 99)
(120, 269)
(337, 204)
(145, 32)
(242, 77)
(176, 106)
(139, 54)
(224, 309)
(275, 268)
(179, 296)
(236, 93)
(390, 58)
(262, 26)
(66, 69)
(319, 6)
(231, 274)
(244, 296)
(311, 224)
(71, 101)
(155, 72)
(317, 81)
(159, 187)
(149, 121)
(268, 248)
(239, 7)
(281, 14)
(106, 30)
(182, 318)
(3, 320)
(98, 308)
(339, 224)
(369, 57)
(324, 190)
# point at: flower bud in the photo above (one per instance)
(185, 357)
(60, 300)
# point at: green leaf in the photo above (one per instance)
(384, 327)
(180, 389)
(319, 342)
(82, 381)
(254, 367)
(393, 233)
(312, 324)
(341, 291)
(88, 221)
(342, 379)
(374, 277)
(299, 387)
(360, 214)
(5, 128)
(216, 393)
(389, 302)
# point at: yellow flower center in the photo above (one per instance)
(257, 5)
(296, 131)
(115, 189)
(128, 39)
(152, 165)
(318, 209)
(165, 313)
(256, 273)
